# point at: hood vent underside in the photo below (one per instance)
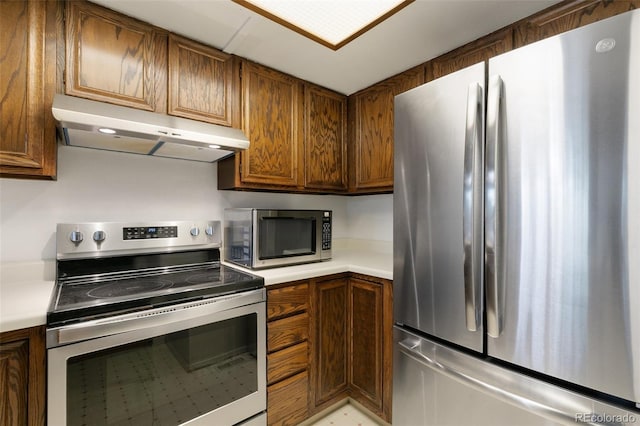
(99, 125)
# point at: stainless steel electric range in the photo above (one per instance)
(145, 326)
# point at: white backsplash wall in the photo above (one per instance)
(370, 217)
(96, 186)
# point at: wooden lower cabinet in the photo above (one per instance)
(287, 353)
(328, 338)
(371, 343)
(351, 338)
(287, 400)
(22, 377)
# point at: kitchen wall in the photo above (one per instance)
(109, 186)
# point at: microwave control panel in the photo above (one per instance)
(326, 231)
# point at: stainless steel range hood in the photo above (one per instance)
(104, 126)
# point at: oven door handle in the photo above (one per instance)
(140, 320)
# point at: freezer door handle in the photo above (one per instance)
(472, 206)
(492, 208)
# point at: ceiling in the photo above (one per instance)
(419, 32)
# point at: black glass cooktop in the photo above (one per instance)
(79, 298)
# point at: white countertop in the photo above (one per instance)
(362, 260)
(25, 288)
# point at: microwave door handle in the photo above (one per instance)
(493, 207)
(472, 206)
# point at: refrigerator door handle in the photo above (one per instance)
(471, 205)
(492, 210)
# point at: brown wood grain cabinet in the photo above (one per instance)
(203, 83)
(22, 377)
(371, 343)
(329, 341)
(28, 48)
(325, 139)
(287, 353)
(114, 58)
(272, 120)
(567, 15)
(352, 342)
(287, 401)
(371, 132)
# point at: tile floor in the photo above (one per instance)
(347, 415)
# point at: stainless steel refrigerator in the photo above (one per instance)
(517, 236)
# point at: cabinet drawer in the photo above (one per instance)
(287, 331)
(287, 362)
(287, 401)
(288, 300)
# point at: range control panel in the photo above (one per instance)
(78, 240)
(145, 232)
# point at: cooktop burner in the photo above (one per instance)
(117, 288)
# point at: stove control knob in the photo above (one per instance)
(195, 231)
(209, 230)
(99, 236)
(76, 237)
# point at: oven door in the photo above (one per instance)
(198, 363)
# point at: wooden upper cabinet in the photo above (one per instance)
(27, 83)
(202, 83)
(272, 120)
(567, 16)
(470, 54)
(114, 58)
(371, 132)
(325, 132)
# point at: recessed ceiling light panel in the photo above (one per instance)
(332, 23)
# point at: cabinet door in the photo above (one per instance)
(114, 58)
(370, 346)
(325, 149)
(202, 83)
(273, 122)
(371, 132)
(22, 377)
(329, 341)
(14, 381)
(568, 16)
(27, 84)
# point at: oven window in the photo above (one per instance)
(286, 237)
(165, 380)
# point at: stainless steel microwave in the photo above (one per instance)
(260, 238)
